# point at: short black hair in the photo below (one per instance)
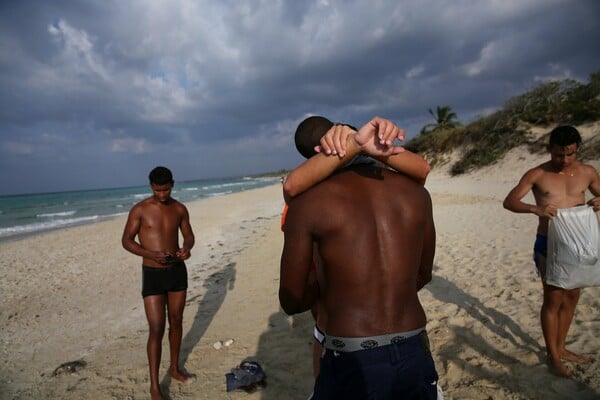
(160, 176)
(564, 135)
(309, 133)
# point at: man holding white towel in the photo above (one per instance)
(556, 184)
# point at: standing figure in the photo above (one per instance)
(157, 221)
(375, 236)
(560, 182)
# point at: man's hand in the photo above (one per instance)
(377, 137)
(595, 203)
(334, 141)
(548, 211)
(183, 253)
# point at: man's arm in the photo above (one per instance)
(132, 228)
(375, 138)
(595, 189)
(428, 252)
(513, 201)
(188, 236)
(297, 292)
(408, 163)
(315, 169)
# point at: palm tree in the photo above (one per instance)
(444, 119)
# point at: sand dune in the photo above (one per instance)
(75, 294)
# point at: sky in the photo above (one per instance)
(95, 93)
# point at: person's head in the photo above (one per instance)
(161, 182)
(309, 133)
(563, 144)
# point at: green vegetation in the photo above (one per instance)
(444, 119)
(487, 139)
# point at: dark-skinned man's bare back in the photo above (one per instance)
(375, 234)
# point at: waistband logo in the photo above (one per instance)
(369, 344)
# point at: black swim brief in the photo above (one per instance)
(163, 280)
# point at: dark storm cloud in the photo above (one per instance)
(95, 93)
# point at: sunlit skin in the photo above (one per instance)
(558, 183)
(156, 222)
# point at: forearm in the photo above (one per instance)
(316, 169)
(519, 206)
(409, 164)
(295, 305)
(295, 298)
(134, 247)
(188, 242)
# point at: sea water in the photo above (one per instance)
(34, 213)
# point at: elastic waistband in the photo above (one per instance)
(165, 268)
(348, 344)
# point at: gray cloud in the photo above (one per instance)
(95, 93)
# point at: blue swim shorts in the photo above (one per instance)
(540, 248)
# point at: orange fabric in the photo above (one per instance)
(283, 215)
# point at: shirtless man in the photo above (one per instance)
(156, 221)
(558, 183)
(317, 134)
(367, 283)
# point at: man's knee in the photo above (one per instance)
(156, 329)
(176, 321)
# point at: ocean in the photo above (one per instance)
(24, 215)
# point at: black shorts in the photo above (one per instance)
(163, 280)
(403, 370)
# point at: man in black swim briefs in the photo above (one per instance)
(157, 222)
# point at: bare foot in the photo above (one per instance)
(155, 394)
(558, 368)
(578, 358)
(181, 376)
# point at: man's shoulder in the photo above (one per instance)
(142, 203)
(538, 171)
(587, 167)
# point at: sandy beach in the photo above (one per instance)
(74, 294)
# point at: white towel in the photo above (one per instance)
(573, 259)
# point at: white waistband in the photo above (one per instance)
(347, 344)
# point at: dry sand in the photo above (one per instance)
(74, 294)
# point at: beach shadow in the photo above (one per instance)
(503, 327)
(285, 353)
(217, 285)
(497, 322)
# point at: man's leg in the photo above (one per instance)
(553, 300)
(175, 305)
(565, 317)
(155, 314)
